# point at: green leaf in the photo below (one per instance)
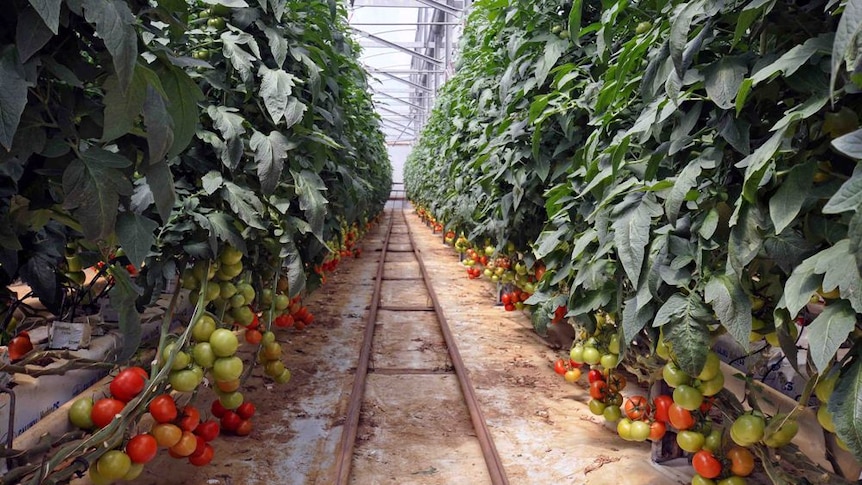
(49, 10)
(115, 24)
(211, 182)
(787, 201)
(277, 44)
(293, 113)
(687, 180)
(183, 94)
(809, 108)
(136, 235)
(846, 36)
(787, 249)
(240, 59)
(226, 121)
(631, 233)
(845, 404)
(793, 59)
(123, 105)
(575, 21)
(745, 238)
(679, 30)
(295, 268)
(684, 321)
(635, 319)
(160, 133)
(123, 297)
(13, 95)
(309, 189)
(732, 306)
(224, 229)
(93, 187)
(828, 331)
(758, 164)
(31, 34)
(723, 78)
(849, 144)
(548, 241)
(161, 183)
(270, 152)
(554, 48)
(245, 204)
(275, 88)
(228, 3)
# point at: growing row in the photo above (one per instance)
(684, 170)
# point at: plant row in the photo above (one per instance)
(686, 171)
(228, 146)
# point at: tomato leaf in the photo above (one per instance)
(309, 189)
(631, 231)
(123, 105)
(723, 78)
(244, 204)
(687, 180)
(731, 304)
(849, 144)
(160, 133)
(575, 21)
(31, 34)
(123, 296)
(846, 35)
(635, 318)
(828, 331)
(277, 44)
(49, 10)
(224, 229)
(115, 24)
(161, 183)
(679, 30)
(93, 187)
(791, 194)
(845, 404)
(275, 88)
(183, 95)
(848, 197)
(293, 261)
(686, 330)
(270, 153)
(240, 59)
(758, 164)
(136, 235)
(13, 94)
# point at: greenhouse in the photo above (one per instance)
(434, 242)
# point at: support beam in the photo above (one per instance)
(396, 78)
(408, 103)
(442, 7)
(401, 24)
(397, 46)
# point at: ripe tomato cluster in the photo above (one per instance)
(514, 300)
(235, 421)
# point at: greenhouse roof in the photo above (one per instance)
(408, 50)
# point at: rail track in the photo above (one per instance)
(397, 248)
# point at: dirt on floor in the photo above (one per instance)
(541, 425)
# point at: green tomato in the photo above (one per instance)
(185, 380)
(612, 414)
(714, 440)
(216, 23)
(642, 28)
(230, 400)
(747, 429)
(227, 368)
(592, 355)
(711, 368)
(674, 376)
(597, 407)
(268, 337)
(203, 328)
(609, 361)
(712, 386)
(690, 441)
(624, 428)
(732, 480)
(825, 386)
(780, 431)
(699, 480)
(577, 353)
(224, 342)
(113, 465)
(80, 411)
(639, 430)
(203, 355)
(614, 344)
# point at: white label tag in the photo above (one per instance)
(69, 335)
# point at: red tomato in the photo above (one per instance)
(599, 390)
(127, 384)
(560, 366)
(163, 408)
(208, 430)
(246, 410)
(662, 404)
(253, 336)
(204, 458)
(595, 375)
(636, 407)
(243, 428)
(142, 448)
(20, 346)
(679, 417)
(230, 421)
(217, 409)
(657, 430)
(104, 411)
(190, 419)
(705, 464)
(200, 445)
(185, 447)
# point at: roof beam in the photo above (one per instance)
(396, 78)
(408, 103)
(397, 46)
(441, 6)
